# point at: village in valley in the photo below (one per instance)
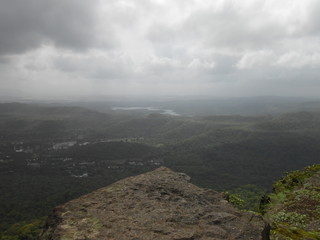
(61, 157)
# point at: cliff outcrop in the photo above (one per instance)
(161, 205)
(293, 210)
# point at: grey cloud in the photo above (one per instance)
(26, 24)
(231, 29)
(226, 27)
(219, 47)
(66, 65)
(104, 67)
(162, 65)
(309, 24)
(4, 60)
(224, 63)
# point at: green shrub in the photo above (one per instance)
(24, 230)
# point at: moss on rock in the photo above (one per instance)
(294, 207)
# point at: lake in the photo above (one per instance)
(151, 109)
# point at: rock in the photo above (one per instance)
(161, 205)
(294, 208)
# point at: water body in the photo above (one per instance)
(161, 111)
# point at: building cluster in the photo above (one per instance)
(20, 156)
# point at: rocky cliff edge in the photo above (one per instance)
(161, 205)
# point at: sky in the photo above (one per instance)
(72, 48)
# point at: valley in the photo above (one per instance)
(52, 154)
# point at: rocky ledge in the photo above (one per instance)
(161, 205)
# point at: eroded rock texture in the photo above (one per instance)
(161, 205)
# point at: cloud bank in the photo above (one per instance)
(59, 48)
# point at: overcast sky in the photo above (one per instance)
(61, 48)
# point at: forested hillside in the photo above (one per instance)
(51, 154)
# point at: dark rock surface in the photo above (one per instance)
(161, 204)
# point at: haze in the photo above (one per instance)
(69, 49)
